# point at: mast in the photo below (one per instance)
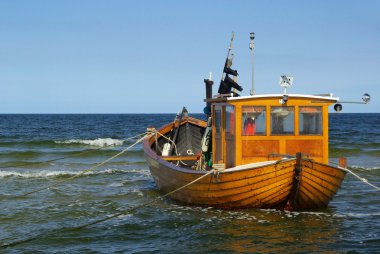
(251, 46)
(227, 83)
(228, 55)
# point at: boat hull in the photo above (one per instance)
(294, 184)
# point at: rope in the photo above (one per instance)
(62, 158)
(144, 204)
(82, 172)
(348, 171)
(127, 211)
(360, 178)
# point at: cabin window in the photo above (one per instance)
(218, 119)
(310, 120)
(253, 121)
(282, 120)
(230, 120)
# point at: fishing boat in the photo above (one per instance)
(254, 151)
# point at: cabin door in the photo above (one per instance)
(224, 135)
(229, 136)
(218, 144)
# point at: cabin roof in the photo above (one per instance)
(326, 98)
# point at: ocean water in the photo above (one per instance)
(43, 222)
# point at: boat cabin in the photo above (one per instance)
(258, 128)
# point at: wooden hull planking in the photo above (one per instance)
(319, 183)
(257, 185)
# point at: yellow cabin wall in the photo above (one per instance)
(287, 144)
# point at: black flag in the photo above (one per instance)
(228, 70)
(227, 84)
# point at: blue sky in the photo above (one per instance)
(152, 56)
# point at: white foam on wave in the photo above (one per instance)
(365, 168)
(31, 174)
(55, 173)
(116, 184)
(357, 215)
(94, 142)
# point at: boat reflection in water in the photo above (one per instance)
(274, 232)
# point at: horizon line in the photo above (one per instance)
(146, 113)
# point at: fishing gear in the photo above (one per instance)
(227, 83)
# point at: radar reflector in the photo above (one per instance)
(286, 81)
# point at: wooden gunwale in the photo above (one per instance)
(168, 127)
(181, 158)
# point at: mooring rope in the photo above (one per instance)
(127, 211)
(66, 157)
(83, 171)
(350, 172)
(132, 209)
(356, 175)
(360, 178)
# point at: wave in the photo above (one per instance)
(365, 168)
(61, 143)
(33, 143)
(346, 151)
(336, 152)
(16, 159)
(59, 173)
(100, 142)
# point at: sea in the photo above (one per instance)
(56, 197)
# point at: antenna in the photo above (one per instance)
(252, 46)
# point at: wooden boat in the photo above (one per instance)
(267, 151)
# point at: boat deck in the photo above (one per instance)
(187, 149)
